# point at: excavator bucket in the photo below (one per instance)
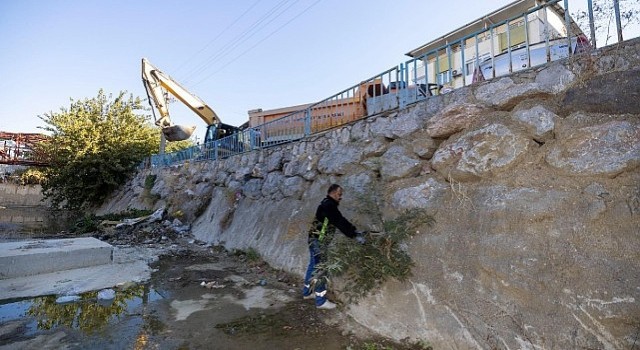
(177, 132)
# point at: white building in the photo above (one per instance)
(522, 34)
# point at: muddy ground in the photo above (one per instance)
(198, 297)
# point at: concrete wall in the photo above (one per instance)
(533, 182)
(12, 195)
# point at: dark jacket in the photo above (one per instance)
(328, 208)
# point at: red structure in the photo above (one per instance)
(18, 149)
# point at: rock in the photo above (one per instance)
(271, 183)
(176, 222)
(359, 182)
(398, 163)
(157, 215)
(424, 146)
(555, 78)
(237, 280)
(380, 127)
(203, 189)
(607, 149)
(300, 165)
(243, 173)
(372, 164)
(504, 93)
(454, 118)
(253, 188)
(258, 171)
(293, 187)
(274, 161)
(620, 96)
(339, 159)
(67, 299)
(220, 178)
(480, 153)
(405, 124)
(538, 121)
(426, 195)
(374, 147)
(360, 131)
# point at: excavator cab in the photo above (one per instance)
(225, 139)
(219, 131)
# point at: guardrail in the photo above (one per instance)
(539, 35)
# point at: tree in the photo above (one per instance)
(95, 147)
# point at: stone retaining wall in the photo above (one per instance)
(533, 182)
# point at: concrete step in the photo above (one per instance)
(28, 258)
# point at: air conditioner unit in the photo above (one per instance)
(456, 72)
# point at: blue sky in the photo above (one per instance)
(51, 51)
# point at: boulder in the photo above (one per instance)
(538, 121)
(399, 162)
(454, 118)
(426, 195)
(505, 93)
(607, 149)
(480, 153)
(555, 78)
(339, 159)
(293, 187)
(253, 188)
(271, 183)
(613, 93)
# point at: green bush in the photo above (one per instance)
(94, 147)
(365, 267)
(149, 181)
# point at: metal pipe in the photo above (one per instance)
(592, 26)
(509, 47)
(463, 66)
(567, 24)
(616, 8)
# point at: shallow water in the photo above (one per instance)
(251, 309)
(173, 311)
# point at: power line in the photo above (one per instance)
(217, 36)
(258, 43)
(254, 29)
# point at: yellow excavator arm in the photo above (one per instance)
(158, 85)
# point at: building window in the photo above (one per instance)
(471, 64)
(517, 35)
(444, 78)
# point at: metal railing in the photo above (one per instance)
(539, 35)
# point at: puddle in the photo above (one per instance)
(88, 314)
(249, 308)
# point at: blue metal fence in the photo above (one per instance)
(536, 36)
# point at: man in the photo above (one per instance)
(323, 227)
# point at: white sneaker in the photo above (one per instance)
(327, 306)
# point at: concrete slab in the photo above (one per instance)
(130, 264)
(76, 281)
(28, 258)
